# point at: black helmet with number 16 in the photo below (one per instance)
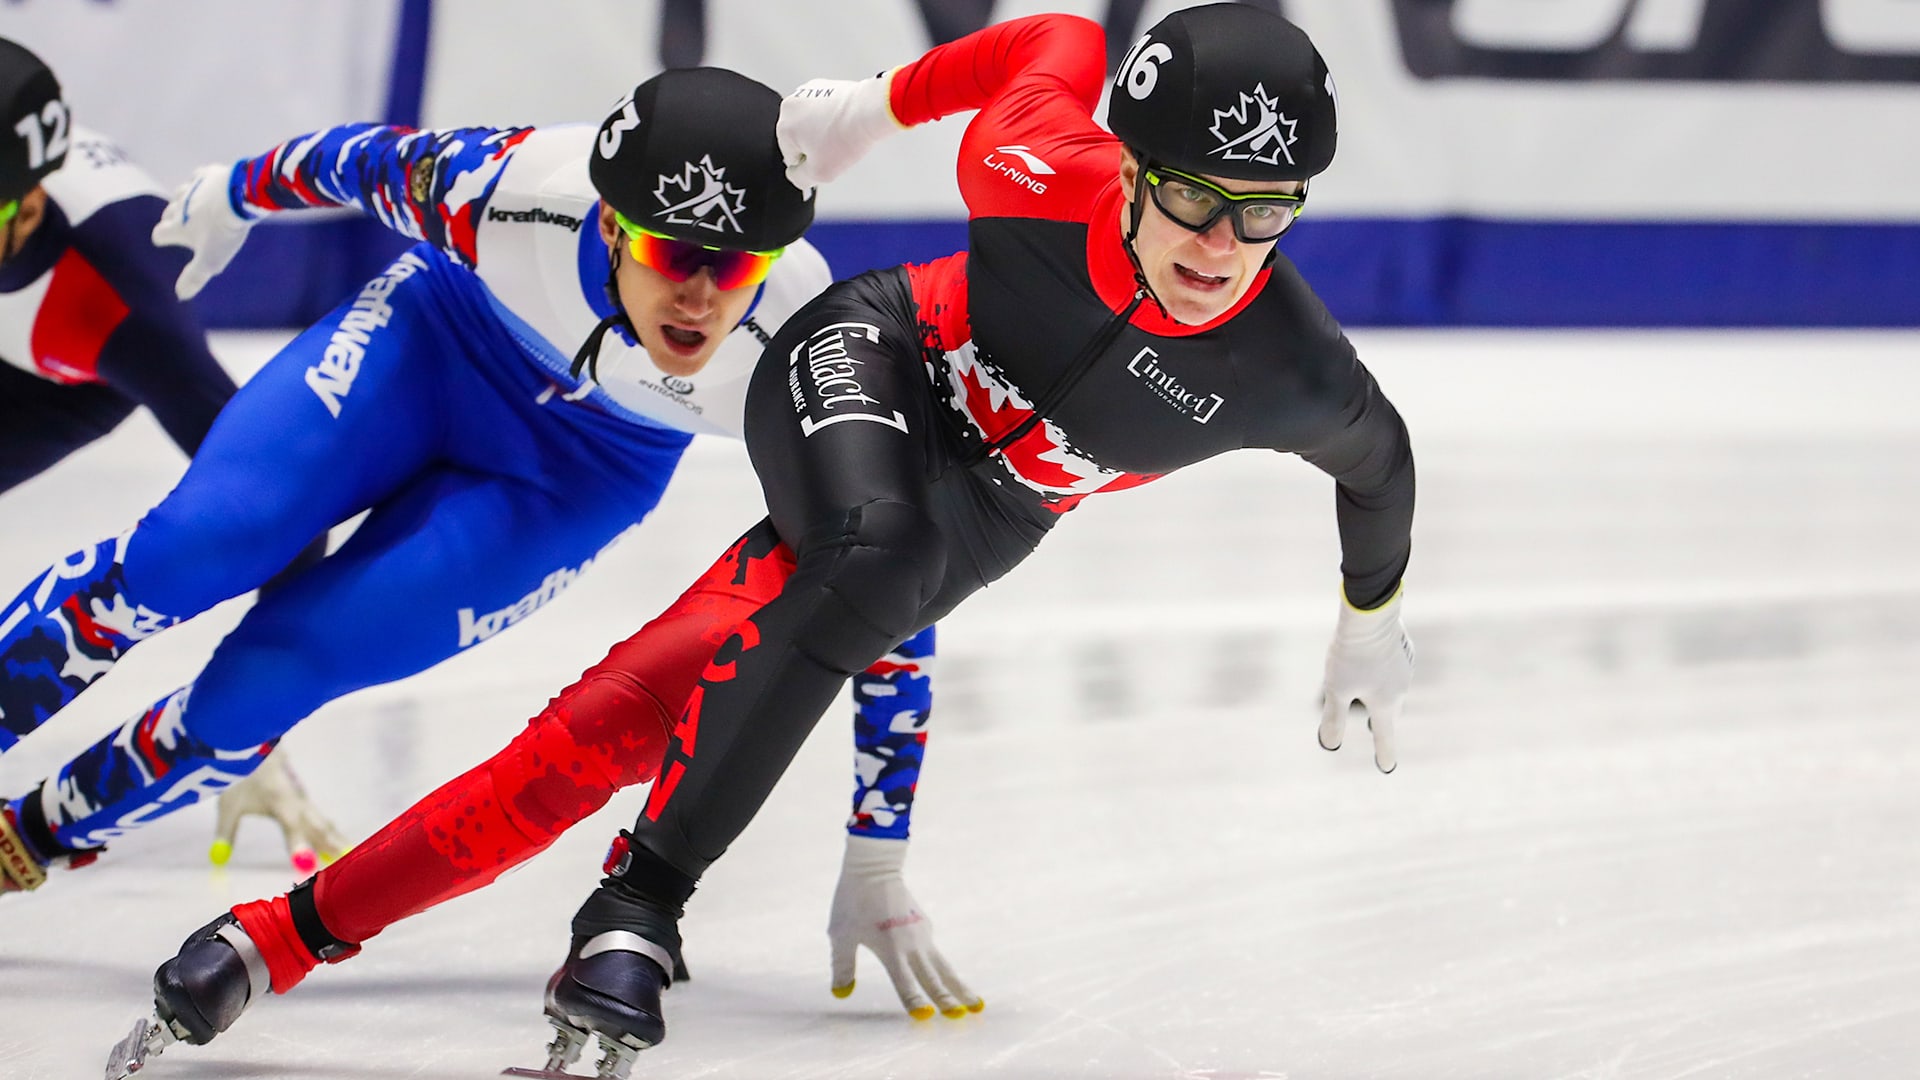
(1227, 90)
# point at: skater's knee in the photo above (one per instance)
(882, 564)
(615, 723)
(183, 559)
(602, 735)
(251, 696)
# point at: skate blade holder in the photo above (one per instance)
(131, 1054)
(616, 1058)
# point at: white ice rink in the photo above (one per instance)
(1657, 814)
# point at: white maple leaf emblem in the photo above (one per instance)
(699, 195)
(1260, 131)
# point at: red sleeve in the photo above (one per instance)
(1036, 81)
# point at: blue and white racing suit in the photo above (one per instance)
(438, 398)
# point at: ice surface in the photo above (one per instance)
(1656, 816)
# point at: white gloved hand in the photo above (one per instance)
(273, 791)
(201, 218)
(1370, 663)
(828, 124)
(872, 907)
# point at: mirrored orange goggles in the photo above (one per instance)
(681, 259)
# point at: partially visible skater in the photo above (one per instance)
(90, 330)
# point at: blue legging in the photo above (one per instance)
(488, 493)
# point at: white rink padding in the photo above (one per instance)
(1655, 815)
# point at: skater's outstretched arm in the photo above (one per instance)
(428, 185)
(872, 907)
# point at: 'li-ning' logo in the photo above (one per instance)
(701, 196)
(1265, 138)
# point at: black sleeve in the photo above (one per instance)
(1365, 448)
(42, 421)
(158, 355)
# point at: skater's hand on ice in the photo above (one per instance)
(201, 218)
(872, 908)
(1370, 663)
(828, 124)
(273, 791)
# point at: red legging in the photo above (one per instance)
(605, 732)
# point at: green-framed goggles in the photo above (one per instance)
(1195, 204)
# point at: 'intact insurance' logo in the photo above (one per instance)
(1254, 129)
(700, 195)
(1197, 405)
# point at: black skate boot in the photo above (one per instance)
(216, 975)
(610, 988)
(196, 995)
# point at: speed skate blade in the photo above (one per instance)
(567, 1043)
(144, 1043)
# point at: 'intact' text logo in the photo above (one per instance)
(1200, 407)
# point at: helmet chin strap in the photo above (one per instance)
(1136, 206)
(588, 357)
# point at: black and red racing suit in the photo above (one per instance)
(918, 431)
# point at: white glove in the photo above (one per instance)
(201, 218)
(828, 124)
(1369, 662)
(273, 791)
(872, 907)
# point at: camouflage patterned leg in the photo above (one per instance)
(63, 632)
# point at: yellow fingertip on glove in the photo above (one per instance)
(954, 1013)
(978, 1004)
(921, 1012)
(220, 852)
(843, 991)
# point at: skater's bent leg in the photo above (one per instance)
(605, 732)
(64, 631)
(856, 592)
(386, 606)
(283, 464)
(854, 496)
(278, 468)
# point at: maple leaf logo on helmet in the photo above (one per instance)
(1260, 131)
(699, 195)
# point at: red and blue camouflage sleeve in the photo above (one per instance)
(893, 700)
(429, 185)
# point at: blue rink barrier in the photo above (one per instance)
(1371, 272)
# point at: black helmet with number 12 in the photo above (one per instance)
(1227, 90)
(34, 124)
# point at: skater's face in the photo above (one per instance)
(1197, 276)
(680, 323)
(28, 211)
